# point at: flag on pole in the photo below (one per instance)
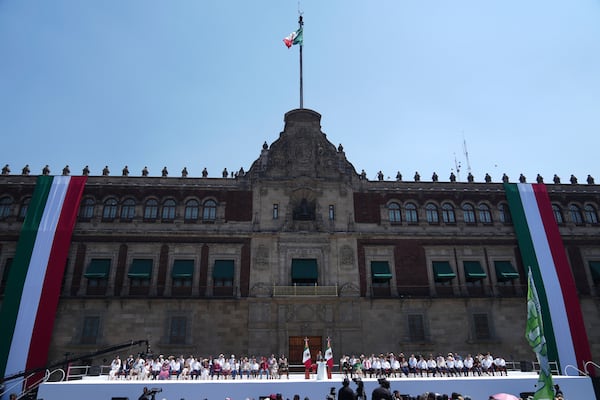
(329, 354)
(534, 333)
(306, 360)
(294, 38)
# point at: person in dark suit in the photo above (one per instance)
(383, 391)
(346, 393)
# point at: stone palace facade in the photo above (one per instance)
(302, 245)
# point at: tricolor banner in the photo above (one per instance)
(35, 277)
(543, 251)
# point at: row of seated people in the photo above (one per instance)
(192, 367)
(390, 365)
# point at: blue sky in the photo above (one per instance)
(401, 84)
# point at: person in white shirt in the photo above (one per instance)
(459, 366)
(431, 366)
(115, 366)
(412, 365)
(500, 365)
(469, 365)
(487, 364)
(422, 365)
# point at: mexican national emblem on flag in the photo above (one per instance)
(306, 360)
(534, 333)
(329, 354)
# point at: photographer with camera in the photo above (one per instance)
(360, 389)
(149, 394)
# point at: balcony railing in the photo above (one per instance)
(297, 291)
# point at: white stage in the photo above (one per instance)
(478, 388)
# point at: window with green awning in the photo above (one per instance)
(505, 271)
(442, 271)
(380, 271)
(595, 269)
(474, 271)
(304, 271)
(140, 269)
(98, 268)
(182, 269)
(223, 269)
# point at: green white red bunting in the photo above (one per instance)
(34, 281)
(543, 251)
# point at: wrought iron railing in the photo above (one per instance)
(296, 291)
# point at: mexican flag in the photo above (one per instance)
(306, 360)
(294, 38)
(36, 274)
(329, 354)
(543, 251)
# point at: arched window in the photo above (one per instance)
(432, 213)
(394, 213)
(485, 216)
(86, 211)
(576, 216)
(557, 214)
(411, 213)
(192, 208)
(151, 209)
(128, 210)
(591, 216)
(468, 214)
(209, 210)
(504, 214)
(24, 207)
(5, 207)
(109, 212)
(448, 214)
(168, 210)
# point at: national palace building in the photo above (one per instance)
(302, 245)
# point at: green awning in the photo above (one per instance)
(98, 269)
(505, 271)
(442, 271)
(595, 269)
(380, 270)
(223, 269)
(304, 268)
(183, 269)
(474, 271)
(140, 269)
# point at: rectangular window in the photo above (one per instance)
(305, 271)
(505, 271)
(331, 212)
(182, 274)
(275, 211)
(442, 271)
(481, 327)
(90, 330)
(416, 328)
(178, 330)
(595, 270)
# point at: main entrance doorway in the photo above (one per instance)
(297, 348)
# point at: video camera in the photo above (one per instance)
(153, 391)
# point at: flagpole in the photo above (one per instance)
(301, 23)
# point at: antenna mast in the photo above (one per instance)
(301, 23)
(466, 152)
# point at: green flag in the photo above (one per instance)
(534, 333)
